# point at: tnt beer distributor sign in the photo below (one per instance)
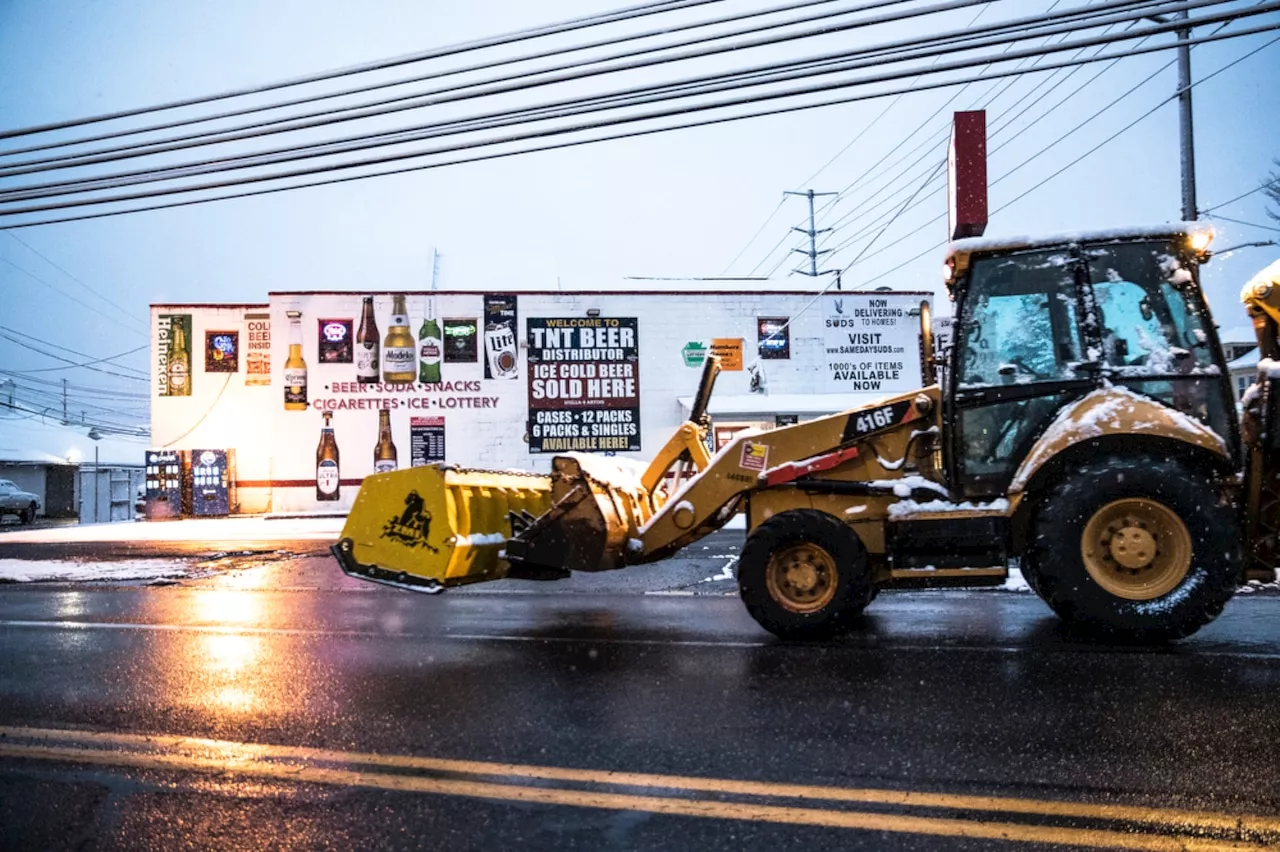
(872, 342)
(584, 384)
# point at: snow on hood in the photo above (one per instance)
(1088, 423)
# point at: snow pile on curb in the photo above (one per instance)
(26, 571)
(1015, 582)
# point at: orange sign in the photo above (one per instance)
(729, 351)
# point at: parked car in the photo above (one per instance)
(15, 501)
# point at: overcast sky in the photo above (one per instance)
(677, 204)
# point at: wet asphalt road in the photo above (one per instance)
(950, 720)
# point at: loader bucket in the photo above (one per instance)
(430, 527)
(598, 505)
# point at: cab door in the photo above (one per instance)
(1018, 359)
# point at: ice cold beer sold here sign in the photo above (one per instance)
(584, 384)
(872, 342)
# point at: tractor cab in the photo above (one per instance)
(1040, 325)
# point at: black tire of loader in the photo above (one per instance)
(853, 591)
(1055, 565)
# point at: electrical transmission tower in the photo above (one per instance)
(812, 232)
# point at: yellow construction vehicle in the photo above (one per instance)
(1085, 426)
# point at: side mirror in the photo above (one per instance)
(926, 345)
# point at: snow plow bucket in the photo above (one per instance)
(426, 528)
(598, 506)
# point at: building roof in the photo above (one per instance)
(1247, 361)
(1238, 334)
(34, 440)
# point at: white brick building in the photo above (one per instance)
(601, 371)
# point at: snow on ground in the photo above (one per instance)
(248, 528)
(26, 571)
(1015, 582)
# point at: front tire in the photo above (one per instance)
(803, 574)
(28, 514)
(1145, 548)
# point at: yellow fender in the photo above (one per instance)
(1114, 410)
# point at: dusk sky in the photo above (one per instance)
(679, 204)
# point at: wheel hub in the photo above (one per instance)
(1136, 548)
(1133, 547)
(802, 577)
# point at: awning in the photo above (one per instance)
(759, 406)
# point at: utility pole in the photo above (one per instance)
(435, 267)
(64, 402)
(813, 252)
(1189, 211)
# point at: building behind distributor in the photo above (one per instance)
(285, 406)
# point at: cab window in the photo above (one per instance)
(1147, 326)
(1018, 323)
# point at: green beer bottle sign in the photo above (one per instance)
(430, 347)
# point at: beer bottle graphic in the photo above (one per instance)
(295, 368)
(367, 345)
(398, 347)
(430, 347)
(384, 452)
(327, 475)
(179, 369)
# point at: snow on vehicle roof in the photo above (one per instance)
(1022, 241)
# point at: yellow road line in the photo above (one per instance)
(932, 826)
(1171, 817)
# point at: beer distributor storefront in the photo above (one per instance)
(286, 406)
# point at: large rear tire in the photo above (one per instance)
(1144, 548)
(803, 574)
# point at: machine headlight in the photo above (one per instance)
(1199, 241)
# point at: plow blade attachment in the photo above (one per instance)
(598, 505)
(426, 528)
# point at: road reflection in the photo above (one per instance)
(226, 671)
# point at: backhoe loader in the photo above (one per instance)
(1085, 426)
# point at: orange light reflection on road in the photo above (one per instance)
(228, 661)
(224, 606)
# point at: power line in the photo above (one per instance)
(72, 366)
(1242, 222)
(864, 211)
(1035, 121)
(67, 295)
(49, 261)
(522, 113)
(755, 236)
(16, 337)
(770, 73)
(1069, 133)
(588, 126)
(628, 13)
(1265, 185)
(353, 111)
(1124, 129)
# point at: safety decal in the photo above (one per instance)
(754, 456)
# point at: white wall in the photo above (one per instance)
(278, 447)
